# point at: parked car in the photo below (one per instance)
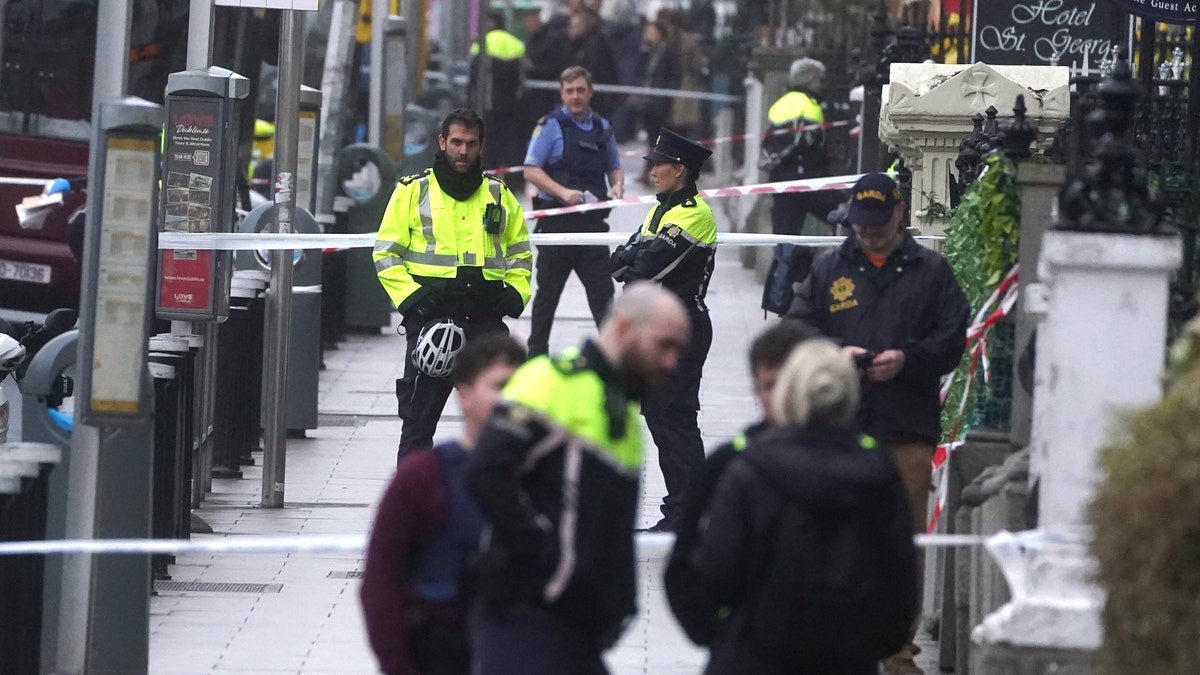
(37, 269)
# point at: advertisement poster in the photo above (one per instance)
(192, 165)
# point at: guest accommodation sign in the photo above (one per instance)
(1166, 11)
(1031, 32)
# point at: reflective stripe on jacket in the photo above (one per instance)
(427, 233)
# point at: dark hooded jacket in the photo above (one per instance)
(808, 541)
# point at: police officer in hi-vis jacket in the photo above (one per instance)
(453, 255)
(675, 247)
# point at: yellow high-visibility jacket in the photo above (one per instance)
(501, 44)
(426, 238)
(795, 107)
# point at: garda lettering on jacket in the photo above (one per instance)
(842, 290)
(668, 235)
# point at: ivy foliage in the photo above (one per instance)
(981, 247)
(982, 237)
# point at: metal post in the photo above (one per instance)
(1193, 107)
(279, 298)
(396, 35)
(108, 84)
(723, 157)
(1192, 167)
(413, 12)
(875, 74)
(1146, 49)
(200, 34)
(333, 88)
(379, 13)
(754, 127)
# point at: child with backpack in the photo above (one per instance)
(426, 529)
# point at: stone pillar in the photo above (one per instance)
(1100, 349)
(927, 112)
(1039, 185)
(1102, 308)
(1101, 305)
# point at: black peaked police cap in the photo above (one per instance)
(671, 147)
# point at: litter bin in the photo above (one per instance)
(367, 177)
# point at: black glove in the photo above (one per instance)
(497, 301)
(620, 259)
(510, 302)
(421, 308)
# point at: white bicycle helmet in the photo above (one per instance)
(11, 354)
(437, 345)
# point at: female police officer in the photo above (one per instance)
(675, 247)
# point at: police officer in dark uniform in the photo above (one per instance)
(571, 155)
(675, 247)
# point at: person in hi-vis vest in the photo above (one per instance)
(453, 255)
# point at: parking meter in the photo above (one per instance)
(367, 177)
(307, 148)
(119, 263)
(198, 189)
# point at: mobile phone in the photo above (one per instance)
(863, 361)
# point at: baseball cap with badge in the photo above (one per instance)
(673, 148)
(873, 200)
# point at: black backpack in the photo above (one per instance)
(790, 264)
(844, 592)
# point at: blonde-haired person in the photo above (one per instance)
(808, 538)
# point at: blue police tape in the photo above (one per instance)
(649, 544)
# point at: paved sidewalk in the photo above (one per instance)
(305, 616)
(309, 620)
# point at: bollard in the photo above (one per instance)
(173, 421)
(232, 396)
(206, 413)
(226, 397)
(250, 437)
(333, 284)
(163, 366)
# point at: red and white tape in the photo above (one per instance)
(805, 185)
(709, 141)
(241, 241)
(998, 305)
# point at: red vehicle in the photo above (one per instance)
(47, 55)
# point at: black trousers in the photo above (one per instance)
(554, 267)
(788, 210)
(521, 640)
(672, 413)
(422, 398)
